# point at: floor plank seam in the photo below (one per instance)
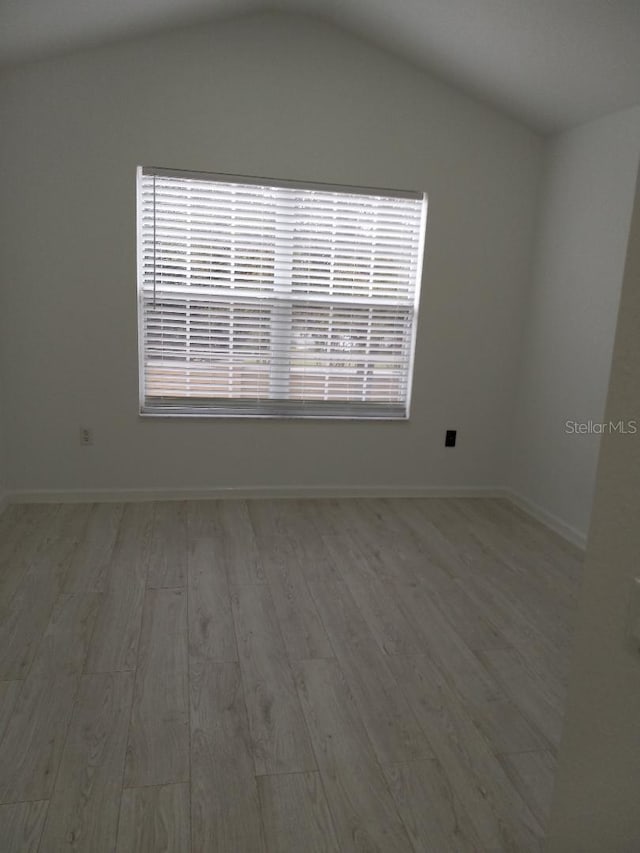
(293, 679)
(188, 639)
(124, 760)
(64, 744)
(44, 824)
(366, 734)
(133, 695)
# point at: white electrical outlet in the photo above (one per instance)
(633, 623)
(86, 436)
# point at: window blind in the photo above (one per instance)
(265, 298)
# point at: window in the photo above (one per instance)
(270, 298)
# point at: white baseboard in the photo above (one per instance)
(554, 522)
(571, 534)
(209, 493)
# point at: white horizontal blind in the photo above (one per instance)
(262, 298)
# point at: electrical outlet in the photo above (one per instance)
(450, 438)
(86, 436)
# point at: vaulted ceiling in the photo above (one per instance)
(550, 63)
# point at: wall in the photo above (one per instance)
(273, 95)
(570, 317)
(3, 479)
(3, 461)
(596, 801)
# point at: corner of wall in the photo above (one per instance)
(570, 317)
(595, 804)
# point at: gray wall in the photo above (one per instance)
(3, 459)
(596, 801)
(570, 316)
(3, 466)
(271, 95)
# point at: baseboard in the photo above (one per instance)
(571, 534)
(209, 493)
(554, 522)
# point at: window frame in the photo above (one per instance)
(196, 408)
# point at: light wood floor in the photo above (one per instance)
(284, 676)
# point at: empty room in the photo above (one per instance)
(319, 412)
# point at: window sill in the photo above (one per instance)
(235, 416)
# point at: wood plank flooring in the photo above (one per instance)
(281, 676)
